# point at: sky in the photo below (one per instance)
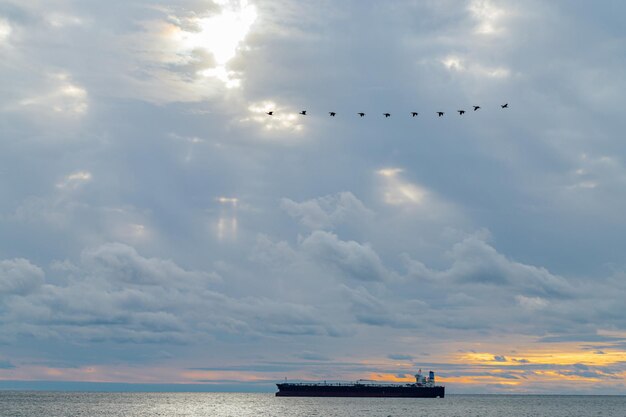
(159, 229)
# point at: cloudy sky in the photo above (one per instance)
(157, 227)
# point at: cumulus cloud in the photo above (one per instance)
(474, 261)
(327, 212)
(19, 277)
(116, 294)
(354, 260)
(120, 262)
(375, 309)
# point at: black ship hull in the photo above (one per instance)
(358, 390)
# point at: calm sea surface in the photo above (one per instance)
(53, 404)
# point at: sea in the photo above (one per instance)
(74, 404)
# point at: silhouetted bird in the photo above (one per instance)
(387, 114)
(476, 108)
(461, 112)
(271, 113)
(440, 113)
(332, 113)
(414, 113)
(303, 112)
(361, 114)
(505, 105)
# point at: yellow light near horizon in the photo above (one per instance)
(547, 357)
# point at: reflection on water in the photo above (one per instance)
(57, 404)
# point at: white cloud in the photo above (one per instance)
(282, 119)
(61, 20)
(459, 64)
(120, 262)
(116, 294)
(329, 211)
(64, 96)
(74, 180)
(474, 261)
(488, 16)
(354, 260)
(531, 303)
(19, 277)
(221, 35)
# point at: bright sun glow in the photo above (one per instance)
(5, 30)
(221, 35)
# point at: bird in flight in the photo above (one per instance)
(303, 112)
(332, 113)
(386, 115)
(476, 108)
(361, 114)
(505, 105)
(440, 113)
(271, 113)
(461, 112)
(414, 113)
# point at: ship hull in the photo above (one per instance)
(358, 390)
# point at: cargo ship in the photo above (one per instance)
(422, 388)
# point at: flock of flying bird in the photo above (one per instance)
(413, 113)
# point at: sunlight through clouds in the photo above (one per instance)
(488, 16)
(227, 223)
(74, 180)
(455, 63)
(221, 35)
(5, 30)
(397, 191)
(65, 97)
(281, 120)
